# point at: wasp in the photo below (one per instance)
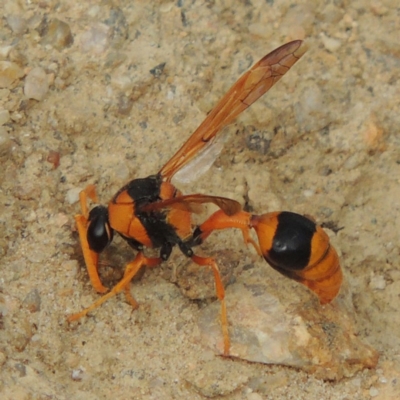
(152, 213)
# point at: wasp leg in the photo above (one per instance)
(130, 271)
(90, 256)
(219, 220)
(129, 275)
(89, 191)
(210, 262)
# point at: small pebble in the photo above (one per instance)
(158, 70)
(121, 82)
(352, 161)
(36, 84)
(258, 141)
(72, 195)
(9, 72)
(373, 391)
(77, 374)
(96, 39)
(93, 11)
(372, 133)
(382, 379)
(60, 219)
(35, 338)
(4, 116)
(32, 301)
(330, 44)
(53, 157)
(124, 105)
(20, 341)
(17, 24)
(114, 59)
(31, 217)
(377, 282)
(308, 193)
(5, 51)
(57, 34)
(21, 369)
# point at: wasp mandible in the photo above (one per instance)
(152, 212)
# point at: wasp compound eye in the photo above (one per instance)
(99, 232)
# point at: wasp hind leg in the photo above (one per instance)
(130, 271)
(210, 262)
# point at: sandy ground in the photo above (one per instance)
(113, 112)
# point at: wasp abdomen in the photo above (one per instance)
(291, 248)
(299, 249)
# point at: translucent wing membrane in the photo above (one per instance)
(250, 87)
(186, 203)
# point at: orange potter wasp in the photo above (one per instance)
(151, 212)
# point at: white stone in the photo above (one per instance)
(36, 84)
(4, 116)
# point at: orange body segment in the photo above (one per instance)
(122, 218)
(168, 191)
(325, 278)
(265, 226)
(182, 221)
(319, 246)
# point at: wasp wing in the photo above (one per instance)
(189, 202)
(250, 86)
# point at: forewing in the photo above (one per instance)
(250, 86)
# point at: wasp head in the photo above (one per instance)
(99, 231)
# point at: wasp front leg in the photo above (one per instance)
(82, 222)
(124, 284)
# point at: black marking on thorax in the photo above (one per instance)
(144, 191)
